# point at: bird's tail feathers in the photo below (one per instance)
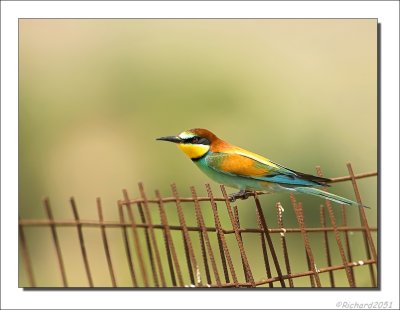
(329, 196)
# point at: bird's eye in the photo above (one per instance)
(195, 139)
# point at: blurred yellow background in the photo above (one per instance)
(94, 95)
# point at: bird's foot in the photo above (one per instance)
(243, 194)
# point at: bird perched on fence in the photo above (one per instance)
(238, 168)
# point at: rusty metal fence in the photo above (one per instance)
(216, 262)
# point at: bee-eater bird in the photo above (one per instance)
(238, 168)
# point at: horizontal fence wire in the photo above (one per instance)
(218, 251)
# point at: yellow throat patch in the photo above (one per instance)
(194, 150)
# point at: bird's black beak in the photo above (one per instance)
(171, 139)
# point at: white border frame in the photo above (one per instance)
(12, 297)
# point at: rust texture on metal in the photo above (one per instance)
(153, 241)
(310, 257)
(326, 245)
(279, 210)
(368, 242)
(247, 270)
(216, 251)
(169, 245)
(105, 243)
(56, 242)
(264, 250)
(337, 236)
(203, 230)
(269, 240)
(82, 242)
(26, 256)
(221, 238)
(136, 240)
(127, 246)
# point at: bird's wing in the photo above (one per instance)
(243, 163)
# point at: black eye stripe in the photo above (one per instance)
(198, 140)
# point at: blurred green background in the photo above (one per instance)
(94, 95)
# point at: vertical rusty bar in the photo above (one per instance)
(136, 239)
(279, 210)
(200, 221)
(26, 257)
(337, 236)
(220, 247)
(55, 240)
(81, 241)
(138, 246)
(247, 269)
(223, 259)
(347, 241)
(152, 235)
(311, 276)
(339, 242)
(312, 281)
(201, 236)
(105, 242)
(367, 232)
(264, 249)
(326, 245)
(204, 254)
(166, 243)
(269, 240)
(169, 244)
(126, 244)
(220, 233)
(148, 245)
(298, 209)
(237, 220)
(192, 262)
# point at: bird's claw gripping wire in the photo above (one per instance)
(243, 194)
